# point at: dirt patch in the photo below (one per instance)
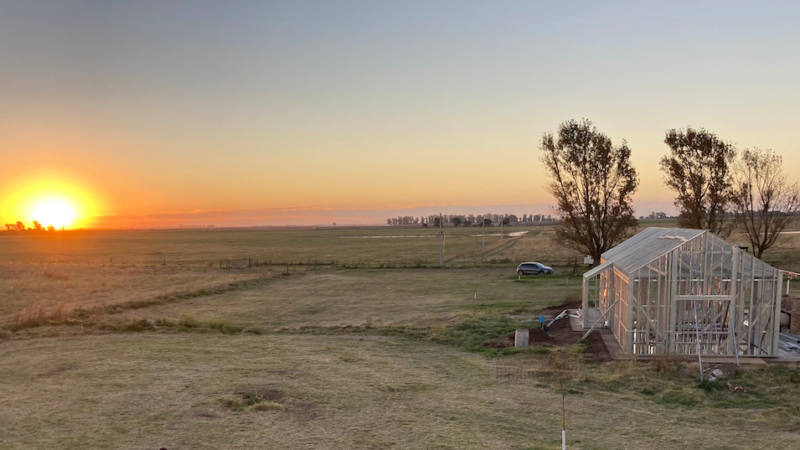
(560, 334)
(264, 393)
(267, 398)
(596, 348)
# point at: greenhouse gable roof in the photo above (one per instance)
(643, 248)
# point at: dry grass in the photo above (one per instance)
(341, 392)
(664, 363)
(249, 368)
(416, 297)
(87, 287)
(37, 315)
(204, 247)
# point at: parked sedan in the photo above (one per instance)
(533, 268)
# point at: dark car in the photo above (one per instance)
(533, 268)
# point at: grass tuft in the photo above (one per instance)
(189, 321)
(37, 315)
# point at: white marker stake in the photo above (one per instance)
(563, 440)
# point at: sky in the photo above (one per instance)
(159, 114)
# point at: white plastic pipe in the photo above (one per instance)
(563, 440)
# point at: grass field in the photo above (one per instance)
(380, 350)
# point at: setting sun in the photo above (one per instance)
(57, 213)
(50, 199)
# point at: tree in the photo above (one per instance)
(593, 183)
(19, 226)
(698, 169)
(487, 221)
(506, 220)
(763, 201)
(37, 226)
(52, 228)
(455, 221)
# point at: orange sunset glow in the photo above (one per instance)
(320, 120)
(407, 224)
(60, 204)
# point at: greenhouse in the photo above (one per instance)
(675, 291)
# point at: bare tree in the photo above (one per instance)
(698, 169)
(593, 183)
(763, 201)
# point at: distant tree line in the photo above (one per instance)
(593, 182)
(469, 220)
(655, 216)
(19, 226)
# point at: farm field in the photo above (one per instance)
(381, 349)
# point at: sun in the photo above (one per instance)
(58, 213)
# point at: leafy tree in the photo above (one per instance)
(593, 183)
(456, 221)
(506, 220)
(487, 221)
(37, 226)
(763, 201)
(698, 169)
(19, 226)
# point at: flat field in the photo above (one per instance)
(154, 345)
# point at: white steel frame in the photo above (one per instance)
(659, 279)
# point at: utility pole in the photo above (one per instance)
(483, 231)
(441, 241)
(501, 228)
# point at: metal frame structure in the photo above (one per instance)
(675, 291)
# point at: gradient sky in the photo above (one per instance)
(159, 113)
